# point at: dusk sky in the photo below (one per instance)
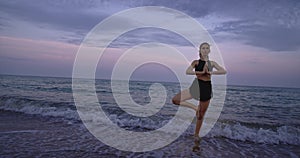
(259, 40)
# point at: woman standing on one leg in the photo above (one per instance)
(201, 88)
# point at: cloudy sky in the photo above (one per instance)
(258, 39)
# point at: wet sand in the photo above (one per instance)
(23, 135)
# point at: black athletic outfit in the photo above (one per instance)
(201, 90)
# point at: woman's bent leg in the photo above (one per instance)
(180, 99)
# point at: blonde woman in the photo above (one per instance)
(201, 88)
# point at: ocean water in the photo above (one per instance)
(254, 122)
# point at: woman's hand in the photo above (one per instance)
(205, 69)
(200, 73)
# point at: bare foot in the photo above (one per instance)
(196, 147)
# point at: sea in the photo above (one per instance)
(38, 118)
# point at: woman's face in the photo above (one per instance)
(204, 49)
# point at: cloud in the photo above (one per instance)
(146, 35)
(274, 38)
(34, 50)
(272, 25)
(250, 65)
(36, 57)
(75, 18)
(60, 16)
(255, 33)
(194, 8)
(72, 21)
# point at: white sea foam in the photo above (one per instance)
(35, 107)
(278, 135)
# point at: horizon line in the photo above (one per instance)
(70, 77)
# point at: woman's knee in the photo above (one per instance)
(176, 100)
(204, 107)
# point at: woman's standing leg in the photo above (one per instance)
(203, 105)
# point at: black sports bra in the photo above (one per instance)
(201, 64)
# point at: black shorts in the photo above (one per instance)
(201, 90)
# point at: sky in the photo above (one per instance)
(258, 39)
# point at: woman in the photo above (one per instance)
(201, 88)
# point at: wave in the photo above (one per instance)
(276, 135)
(251, 132)
(39, 107)
(68, 111)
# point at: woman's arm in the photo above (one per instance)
(190, 69)
(220, 69)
